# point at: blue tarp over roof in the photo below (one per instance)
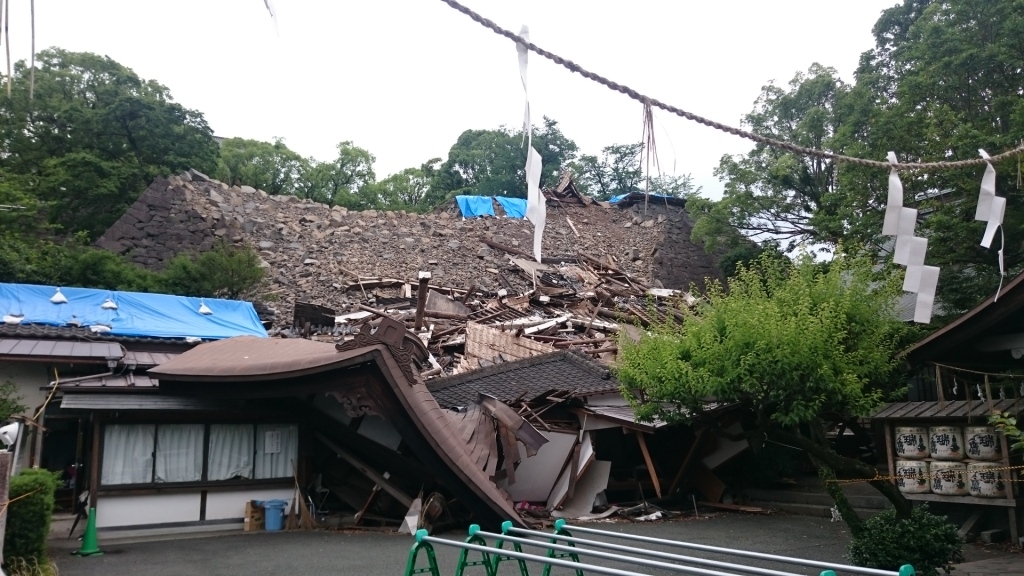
(513, 207)
(137, 314)
(473, 206)
(621, 197)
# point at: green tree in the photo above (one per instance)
(268, 166)
(772, 194)
(93, 137)
(226, 271)
(618, 170)
(341, 180)
(493, 162)
(942, 81)
(793, 345)
(405, 190)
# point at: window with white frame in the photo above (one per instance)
(170, 453)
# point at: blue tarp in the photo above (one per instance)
(473, 206)
(513, 207)
(621, 197)
(137, 314)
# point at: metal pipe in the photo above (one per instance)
(640, 561)
(643, 552)
(529, 557)
(742, 553)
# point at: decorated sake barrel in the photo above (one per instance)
(986, 480)
(949, 478)
(912, 442)
(912, 477)
(946, 442)
(982, 443)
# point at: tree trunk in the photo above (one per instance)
(845, 466)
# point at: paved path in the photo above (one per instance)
(377, 554)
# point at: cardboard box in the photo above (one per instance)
(254, 517)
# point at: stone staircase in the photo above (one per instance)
(807, 497)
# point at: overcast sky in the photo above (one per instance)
(403, 78)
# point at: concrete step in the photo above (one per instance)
(814, 510)
(815, 498)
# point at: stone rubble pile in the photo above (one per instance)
(312, 251)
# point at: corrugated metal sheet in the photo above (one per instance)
(141, 402)
(112, 381)
(146, 359)
(24, 348)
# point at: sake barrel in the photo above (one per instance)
(986, 480)
(946, 442)
(911, 442)
(912, 477)
(982, 443)
(949, 478)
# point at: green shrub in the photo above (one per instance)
(925, 541)
(28, 519)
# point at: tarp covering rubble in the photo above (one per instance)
(129, 313)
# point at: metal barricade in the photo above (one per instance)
(563, 549)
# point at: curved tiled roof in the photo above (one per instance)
(527, 378)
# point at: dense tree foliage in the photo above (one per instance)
(794, 345)
(92, 138)
(943, 80)
(268, 166)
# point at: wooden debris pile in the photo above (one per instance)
(579, 302)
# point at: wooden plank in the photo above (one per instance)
(933, 411)
(889, 409)
(421, 298)
(370, 473)
(650, 463)
(889, 456)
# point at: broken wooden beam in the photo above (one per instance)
(421, 300)
(650, 463)
(365, 470)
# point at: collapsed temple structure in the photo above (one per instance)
(416, 369)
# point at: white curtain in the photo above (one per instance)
(231, 447)
(179, 453)
(128, 454)
(277, 450)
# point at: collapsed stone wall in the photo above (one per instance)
(311, 251)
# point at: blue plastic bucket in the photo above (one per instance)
(274, 518)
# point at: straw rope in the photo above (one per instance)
(775, 143)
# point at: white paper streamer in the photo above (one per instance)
(926, 294)
(521, 49)
(536, 207)
(910, 251)
(991, 209)
(988, 190)
(895, 201)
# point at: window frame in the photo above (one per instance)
(204, 482)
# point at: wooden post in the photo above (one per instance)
(421, 298)
(1012, 491)
(94, 466)
(650, 463)
(5, 478)
(938, 386)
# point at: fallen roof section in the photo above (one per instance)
(509, 382)
(381, 372)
